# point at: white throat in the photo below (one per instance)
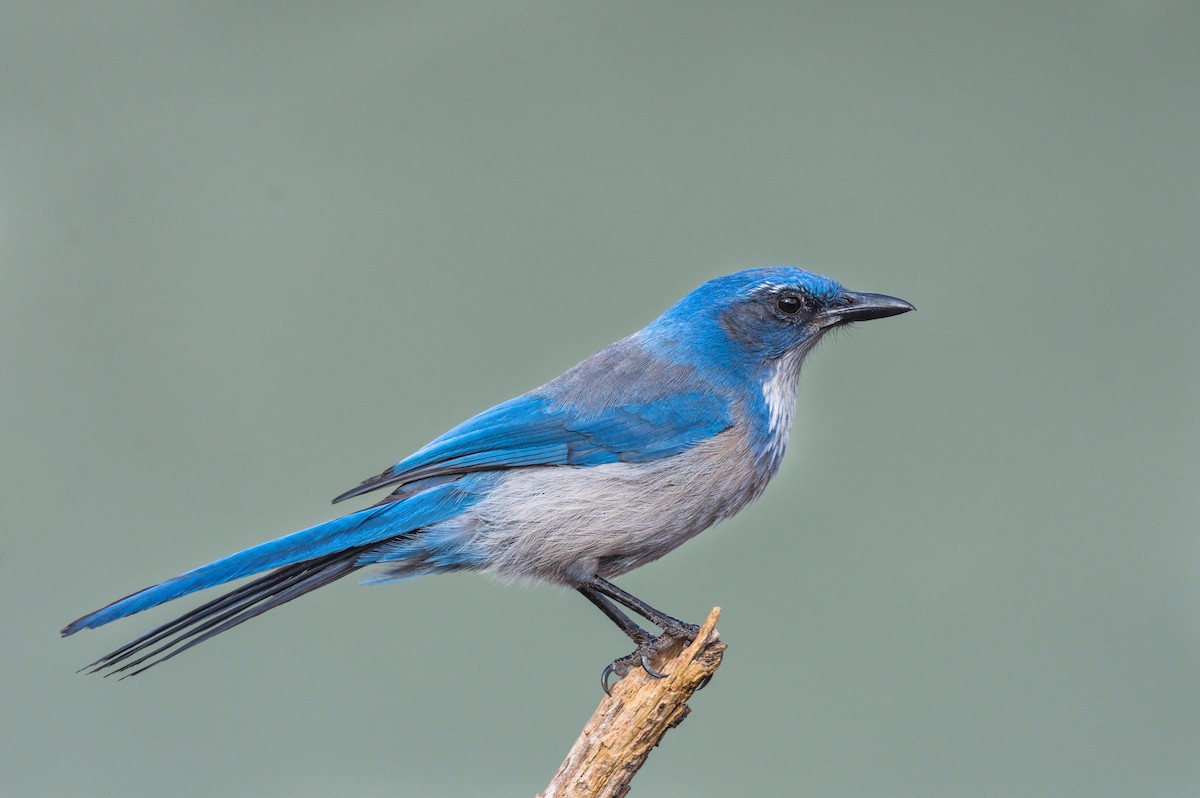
(779, 394)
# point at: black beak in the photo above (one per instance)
(864, 307)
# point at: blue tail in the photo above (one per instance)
(349, 533)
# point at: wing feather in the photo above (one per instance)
(535, 430)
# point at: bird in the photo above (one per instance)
(605, 468)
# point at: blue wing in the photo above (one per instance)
(535, 429)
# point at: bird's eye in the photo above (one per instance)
(789, 304)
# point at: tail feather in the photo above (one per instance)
(227, 611)
(296, 547)
(361, 529)
(232, 599)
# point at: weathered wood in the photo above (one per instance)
(627, 725)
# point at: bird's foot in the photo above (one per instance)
(648, 648)
(681, 630)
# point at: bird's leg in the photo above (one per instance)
(636, 633)
(602, 593)
(645, 641)
(672, 627)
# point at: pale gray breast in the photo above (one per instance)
(555, 523)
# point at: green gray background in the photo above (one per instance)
(253, 254)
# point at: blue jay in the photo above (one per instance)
(605, 468)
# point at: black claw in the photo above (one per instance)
(704, 682)
(650, 669)
(609, 670)
(641, 657)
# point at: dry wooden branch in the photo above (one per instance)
(627, 725)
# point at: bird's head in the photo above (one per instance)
(758, 317)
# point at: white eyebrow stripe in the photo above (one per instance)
(767, 287)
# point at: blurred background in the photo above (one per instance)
(254, 254)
